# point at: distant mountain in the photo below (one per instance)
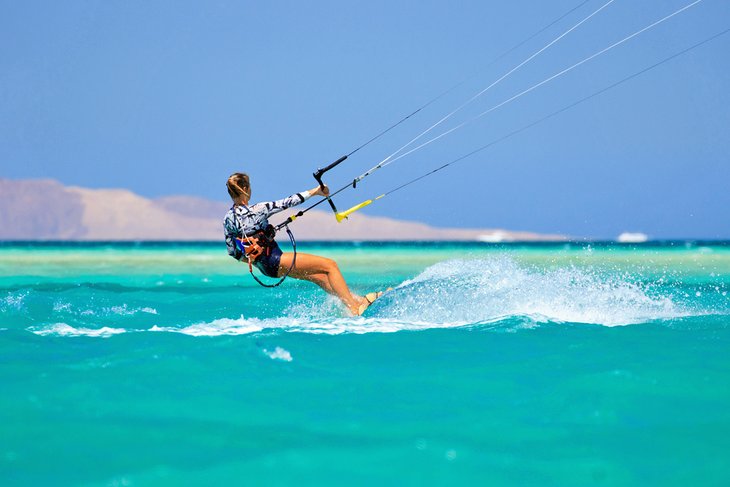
(44, 209)
(40, 209)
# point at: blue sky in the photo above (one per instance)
(171, 97)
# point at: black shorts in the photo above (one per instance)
(269, 264)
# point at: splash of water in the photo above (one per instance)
(459, 293)
(487, 290)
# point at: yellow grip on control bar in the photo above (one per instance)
(342, 215)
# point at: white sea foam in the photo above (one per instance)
(244, 326)
(223, 326)
(279, 354)
(62, 329)
(321, 326)
(497, 292)
(324, 326)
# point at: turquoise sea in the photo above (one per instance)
(488, 364)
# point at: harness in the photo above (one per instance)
(259, 244)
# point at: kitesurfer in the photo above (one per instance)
(250, 237)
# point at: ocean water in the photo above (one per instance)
(545, 364)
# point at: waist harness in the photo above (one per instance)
(259, 244)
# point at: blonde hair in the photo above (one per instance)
(238, 184)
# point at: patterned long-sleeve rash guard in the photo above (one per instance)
(247, 220)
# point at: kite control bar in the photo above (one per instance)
(318, 176)
(344, 214)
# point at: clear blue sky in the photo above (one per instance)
(170, 97)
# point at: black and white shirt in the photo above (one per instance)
(247, 220)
